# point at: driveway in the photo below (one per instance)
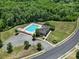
(19, 39)
(54, 53)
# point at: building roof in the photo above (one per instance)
(44, 30)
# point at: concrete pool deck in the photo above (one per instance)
(30, 29)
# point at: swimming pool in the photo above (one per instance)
(32, 28)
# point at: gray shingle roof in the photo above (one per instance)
(44, 30)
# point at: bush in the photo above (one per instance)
(77, 55)
(39, 47)
(16, 32)
(47, 23)
(54, 41)
(1, 43)
(52, 27)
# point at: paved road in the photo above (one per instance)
(60, 50)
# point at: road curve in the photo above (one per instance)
(62, 49)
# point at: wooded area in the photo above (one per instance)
(15, 12)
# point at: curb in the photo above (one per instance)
(34, 55)
(58, 44)
(71, 35)
(66, 39)
(48, 41)
(67, 53)
(77, 46)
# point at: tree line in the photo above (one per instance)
(15, 12)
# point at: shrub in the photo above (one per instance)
(47, 23)
(1, 43)
(54, 41)
(16, 32)
(77, 55)
(52, 27)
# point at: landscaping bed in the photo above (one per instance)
(62, 30)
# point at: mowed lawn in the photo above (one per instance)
(73, 55)
(17, 53)
(9, 33)
(62, 30)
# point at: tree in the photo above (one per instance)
(26, 45)
(56, 1)
(10, 22)
(37, 32)
(9, 48)
(77, 55)
(1, 43)
(39, 47)
(16, 32)
(67, 1)
(2, 25)
(34, 37)
(13, 16)
(52, 28)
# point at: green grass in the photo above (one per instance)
(9, 33)
(73, 55)
(5, 55)
(17, 52)
(62, 30)
(5, 35)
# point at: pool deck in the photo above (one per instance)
(23, 30)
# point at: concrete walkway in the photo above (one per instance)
(20, 38)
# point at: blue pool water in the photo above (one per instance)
(32, 28)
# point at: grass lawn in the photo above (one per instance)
(7, 34)
(62, 30)
(17, 53)
(72, 56)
